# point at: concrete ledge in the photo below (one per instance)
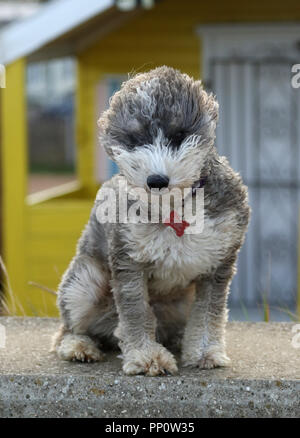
(263, 380)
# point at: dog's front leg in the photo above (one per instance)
(204, 338)
(137, 326)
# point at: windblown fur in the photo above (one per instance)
(140, 286)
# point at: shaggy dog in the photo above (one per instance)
(143, 286)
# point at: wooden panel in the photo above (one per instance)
(57, 218)
(52, 234)
(14, 173)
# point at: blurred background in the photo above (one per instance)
(64, 59)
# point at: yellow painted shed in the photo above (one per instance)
(39, 232)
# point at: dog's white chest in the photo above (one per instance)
(176, 261)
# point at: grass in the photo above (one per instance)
(43, 288)
(295, 317)
(244, 310)
(9, 304)
(267, 293)
(266, 308)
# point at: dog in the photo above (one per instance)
(143, 287)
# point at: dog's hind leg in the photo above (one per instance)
(87, 310)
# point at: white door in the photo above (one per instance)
(249, 70)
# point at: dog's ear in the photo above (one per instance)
(208, 102)
(104, 135)
(208, 108)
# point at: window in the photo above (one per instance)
(51, 131)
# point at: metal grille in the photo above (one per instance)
(259, 133)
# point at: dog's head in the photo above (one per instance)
(160, 129)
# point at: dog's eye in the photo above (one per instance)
(178, 138)
(132, 141)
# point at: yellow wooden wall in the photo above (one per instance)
(53, 229)
(40, 239)
(13, 166)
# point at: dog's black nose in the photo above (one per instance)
(157, 181)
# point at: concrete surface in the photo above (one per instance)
(262, 381)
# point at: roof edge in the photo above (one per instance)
(23, 38)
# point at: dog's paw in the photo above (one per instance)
(79, 348)
(153, 361)
(208, 360)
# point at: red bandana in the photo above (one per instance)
(179, 226)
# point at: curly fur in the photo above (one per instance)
(139, 285)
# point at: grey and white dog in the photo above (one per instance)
(140, 286)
